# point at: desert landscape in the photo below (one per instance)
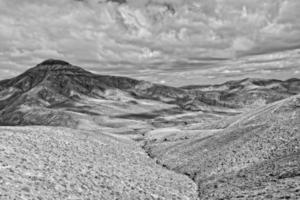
(149, 100)
(67, 133)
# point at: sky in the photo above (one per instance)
(173, 42)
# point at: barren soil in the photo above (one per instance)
(255, 156)
(61, 163)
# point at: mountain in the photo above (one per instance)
(65, 78)
(248, 92)
(56, 92)
(55, 89)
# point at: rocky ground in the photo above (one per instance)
(59, 163)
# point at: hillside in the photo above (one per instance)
(256, 156)
(61, 163)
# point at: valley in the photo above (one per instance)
(73, 132)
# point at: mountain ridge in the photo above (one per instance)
(249, 91)
(57, 83)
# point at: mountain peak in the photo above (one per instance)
(56, 65)
(54, 62)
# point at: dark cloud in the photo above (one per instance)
(117, 1)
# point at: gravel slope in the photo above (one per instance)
(256, 157)
(60, 163)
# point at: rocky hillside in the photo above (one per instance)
(255, 157)
(60, 163)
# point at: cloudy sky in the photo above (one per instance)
(175, 42)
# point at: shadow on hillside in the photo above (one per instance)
(151, 115)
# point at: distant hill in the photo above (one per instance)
(50, 93)
(56, 92)
(248, 92)
(66, 79)
(31, 97)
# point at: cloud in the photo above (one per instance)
(242, 44)
(130, 34)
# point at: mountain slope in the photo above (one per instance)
(247, 150)
(62, 163)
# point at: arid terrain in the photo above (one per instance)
(70, 134)
(61, 163)
(254, 156)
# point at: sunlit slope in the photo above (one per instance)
(268, 134)
(60, 163)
